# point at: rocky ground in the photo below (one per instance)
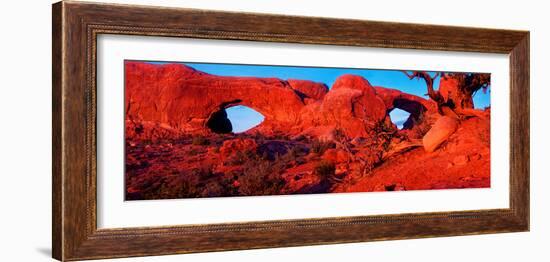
(246, 164)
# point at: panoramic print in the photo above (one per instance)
(195, 130)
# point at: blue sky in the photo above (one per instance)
(243, 118)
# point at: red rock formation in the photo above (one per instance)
(186, 100)
(351, 106)
(310, 91)
(415, 105)
(368, 105)
(464, 162)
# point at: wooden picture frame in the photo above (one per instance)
(76, 26)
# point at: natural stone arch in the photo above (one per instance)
(415, 108)
(218, 121)
(186, 100)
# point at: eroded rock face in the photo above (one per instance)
(185, 98)
(188, 101)
(310, 91)
(351, 106)
(368, 105)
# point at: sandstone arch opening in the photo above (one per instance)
(406, 113)
(399, 117)
(234, 118)
(243, 118)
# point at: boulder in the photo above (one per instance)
(441, 130)
(368, 105)
(350, 106)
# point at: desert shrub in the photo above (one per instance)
(319, 146)
(339, 135)
(300, 161)
(294, 156)
(374, 146)
(384, 131)
(213, 189)
(297, 151)
(261, 177)
(202, 173)
(183, 189)
(265, 156)
(217, 188)
(380, 138)
(180, 185)
(325, 170)
(200, 141)
(258, 137)
(195, 152)
(241, 157)
(280, 136)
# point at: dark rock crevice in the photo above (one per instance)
(219, 123)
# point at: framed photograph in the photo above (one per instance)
(181, 130)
